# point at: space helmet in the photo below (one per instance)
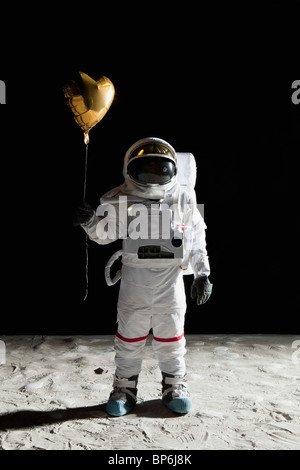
(151, 162)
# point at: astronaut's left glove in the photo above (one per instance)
(201, 289)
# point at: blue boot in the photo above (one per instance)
(175, 393)
(123, 397)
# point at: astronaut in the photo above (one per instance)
(152, 293)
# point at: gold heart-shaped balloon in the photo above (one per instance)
(88, 99)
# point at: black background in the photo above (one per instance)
(219, 89)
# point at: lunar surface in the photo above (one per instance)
(245, 391)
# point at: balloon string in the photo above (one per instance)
(85, 170)
(86, 235)
(86, 267)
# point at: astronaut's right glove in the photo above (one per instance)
(83, 214)
(201, 289)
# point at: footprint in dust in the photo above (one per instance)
(16, 440)
(181, 432)
(120, 442)
(280, 416)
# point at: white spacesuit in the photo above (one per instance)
(163, 238)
